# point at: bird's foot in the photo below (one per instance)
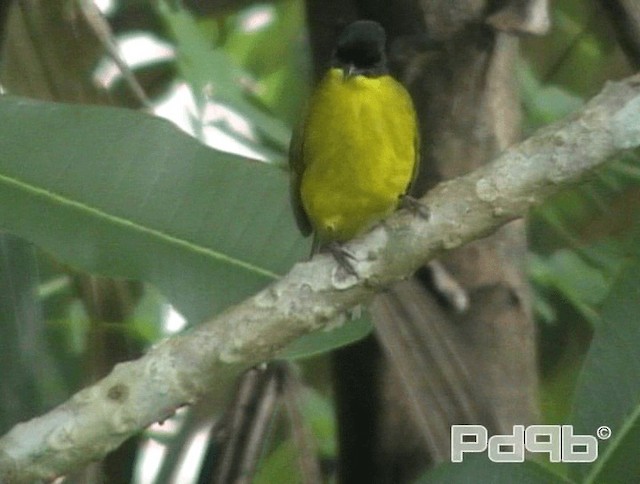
(414, 205)
(343, 257)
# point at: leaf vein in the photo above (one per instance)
(124, 222)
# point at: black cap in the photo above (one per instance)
(360, 49)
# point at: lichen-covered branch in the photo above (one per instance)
(310, 298)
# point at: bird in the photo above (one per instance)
(355, 151)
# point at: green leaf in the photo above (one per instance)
(128, 195)
(274, 54)
(544, 103)
(333, 338)
(282, 463)
(620, 462)
(608, 391)
(320, 415)
(479, 468)
(579, 282)
(280, 466)
(213, 73)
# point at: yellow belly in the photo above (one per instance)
(359, 153)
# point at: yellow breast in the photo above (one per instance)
(359, 153)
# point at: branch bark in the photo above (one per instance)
(315, 294)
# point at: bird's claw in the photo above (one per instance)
(343, 257)
(414, 205)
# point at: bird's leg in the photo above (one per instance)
(414, 205)
(342, 256)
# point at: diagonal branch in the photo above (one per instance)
(314, 294)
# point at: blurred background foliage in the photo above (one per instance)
(236, 78)
(579, 239)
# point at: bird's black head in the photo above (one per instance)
(360, 49)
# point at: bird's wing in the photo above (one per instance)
(296, 169)
(416, 147)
